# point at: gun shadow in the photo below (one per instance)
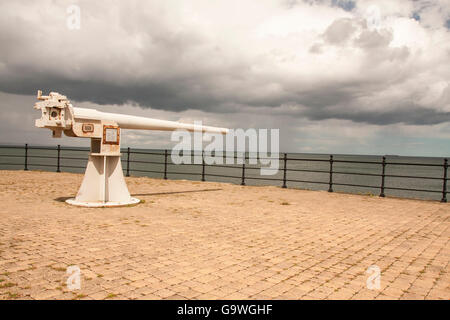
(172, 192)
(63, 199)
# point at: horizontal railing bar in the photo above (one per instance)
(73, 158)
(305, 181)
(12, 155)
(11, 164)
(141, 152)
(415, 164)
(304, 159)
(42, 148)
(358, 173)
(139, 161)
(75, 149)
(223, 166)
(230, 166)
(43, 157)
(76, 167)
(259, 168)
(221, 175)
(257, 158)
(356, 161)
(137, 170)
(12, 147)
(190, 173)
(199, 153)
(259, 178)
(307, 170)
(411, 177)
(355, 185)
(410, 189)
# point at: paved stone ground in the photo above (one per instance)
(194, 240)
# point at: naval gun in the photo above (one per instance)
(103, 184)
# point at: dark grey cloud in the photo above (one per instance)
(418, 116)
(347, 5)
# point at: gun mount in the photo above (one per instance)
(103, 183)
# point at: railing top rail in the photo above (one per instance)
(357, 161)
(41, 148)
(74, 149)
(306, 159)
(143, 152)
(11, 147)
(415, 164)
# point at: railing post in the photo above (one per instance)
(444, 182)
(284, 171)
(383, 171)
(165, 164)
(128, 162)
(243, 172)
(330, 188)
(58, 167)
(26, 157)
(203, 165)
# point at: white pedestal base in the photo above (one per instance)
(74, 202)
(103, 184)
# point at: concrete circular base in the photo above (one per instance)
(102, 204)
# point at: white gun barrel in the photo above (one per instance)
(142, 123)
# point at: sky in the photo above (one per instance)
(335, 76)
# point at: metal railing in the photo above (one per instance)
(243, 177)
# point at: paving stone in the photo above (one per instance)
(231, 243)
